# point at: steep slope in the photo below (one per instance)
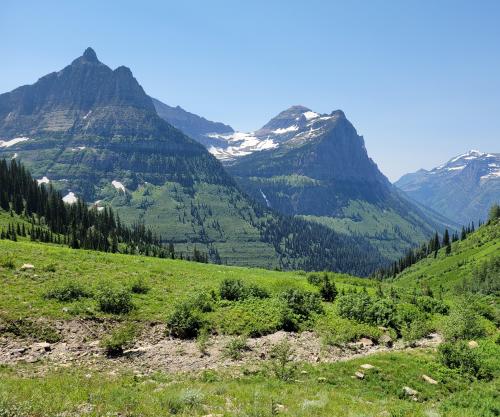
(316, 165)
(462, 189)
(92, 132)
(196, 127)
(448, 271)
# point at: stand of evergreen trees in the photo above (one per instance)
(431, 247)
(76, 225)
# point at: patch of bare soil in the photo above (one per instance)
(154, 351)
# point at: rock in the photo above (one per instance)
(45, 346)
(386, 340)
(429, 379)
(304, 372)
(410, 392)
(212, 415)
(359, 375)
(27, 267)
(321, 379)
(473, 344)
(367, 366)
(279, 407)
(364, 341)
(65, 309)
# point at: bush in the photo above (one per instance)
(119, 340)
(7, 262)
(464, 359)
(253, 317)
(67, 291)
(202, 302)
(362, 308)
(462, 323)
(184, 322)
(314, 279)
(139, 286)
(114, 300)
(236, 290)
(431, 305)
(302, 303)
(282, 360)
(235, 348)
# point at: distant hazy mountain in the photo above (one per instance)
(92, 132)
(194, 126)
(316, 165)
(462, 189)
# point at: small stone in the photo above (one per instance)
(429, 379)
(367, 366)
(65, 309)
(304, 372)
(279, 407)
(473, 344)
(359, 375)
(321, 379)
(88, 376)
(410, 392)
(27, 267)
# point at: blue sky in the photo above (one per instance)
(420, 80)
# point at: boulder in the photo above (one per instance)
(386, 340)
(473, 344)
(367, 366)
(359, 375)
(409, 392)
(27, 267)
(45, 346)
(365, 342)
(429, 379)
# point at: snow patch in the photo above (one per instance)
(70, 198)
(284, 130)
(15, 156)
(310, 115)
(43, 180)
(87, 115)
(12, 142)
(456, 168)
(491, 175)
(118, 185)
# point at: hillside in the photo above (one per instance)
(116, 331)
(448, 271)
(463, 189)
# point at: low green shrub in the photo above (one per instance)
(139, 286)
(459, 356)
(462, 323)
(314, 279)
(202, 302)
(302, 303)
(337, 331)
(119, 339)
(235, 347)
(114, 300)
(67, 291)
(282, 360)
(184, 322)
(237, 290)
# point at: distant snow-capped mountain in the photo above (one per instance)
(462, 189)
(296, 124)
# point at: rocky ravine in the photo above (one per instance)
(153, 351)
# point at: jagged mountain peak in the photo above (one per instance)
(88, 57)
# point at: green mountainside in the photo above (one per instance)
(320, 169)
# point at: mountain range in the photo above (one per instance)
(463, 189)
(93, 133)
(316, 166)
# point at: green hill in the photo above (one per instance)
(448, 271)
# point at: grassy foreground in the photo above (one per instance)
(322, 390)
(467, 379)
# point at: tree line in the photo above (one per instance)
(77, 225)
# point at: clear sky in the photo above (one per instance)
(420, 80)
